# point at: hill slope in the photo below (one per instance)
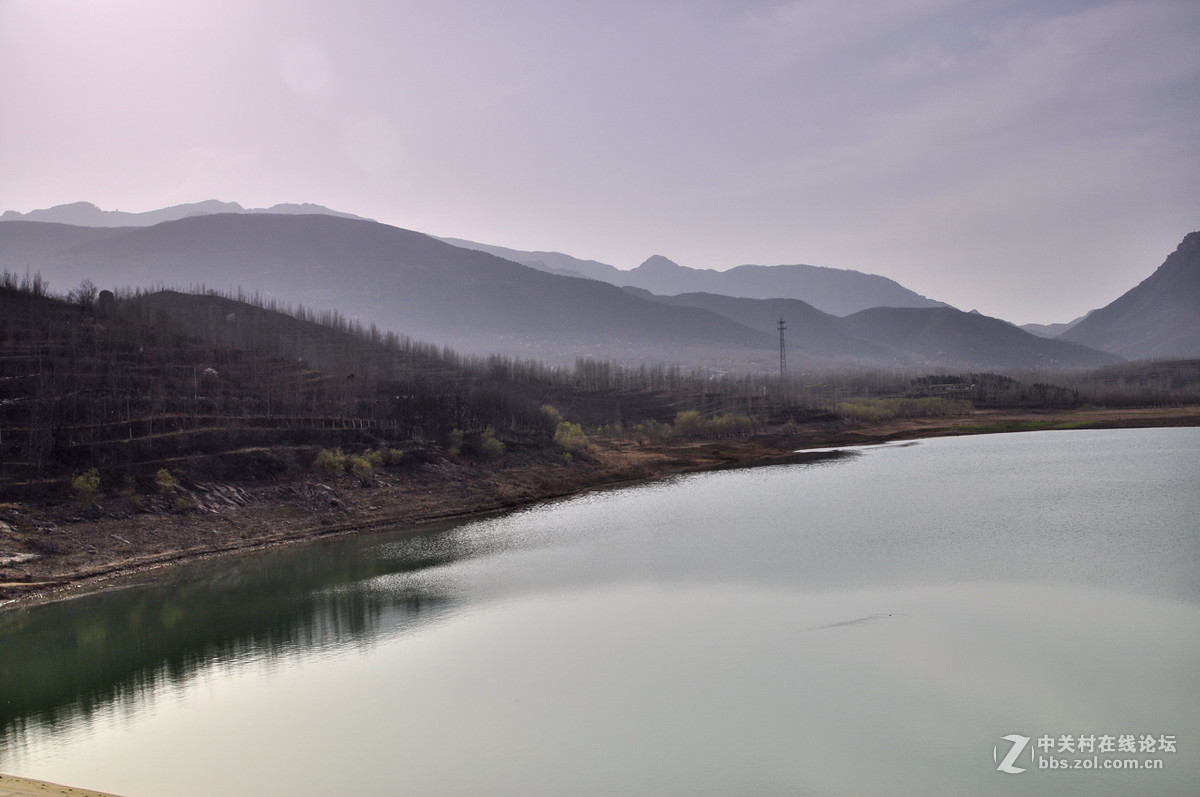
(831, 290)
(949, 338)
(814, 338)
(397, 279)
(1160, 317)
(897, 337)
(419, 286)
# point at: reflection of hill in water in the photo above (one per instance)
(67, 660)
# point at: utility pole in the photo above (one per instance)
(782, 350)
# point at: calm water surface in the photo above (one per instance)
(873, 624)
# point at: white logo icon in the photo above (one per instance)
(1018, 746)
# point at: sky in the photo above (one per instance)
(1032, 160)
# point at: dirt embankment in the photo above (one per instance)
(47, 552)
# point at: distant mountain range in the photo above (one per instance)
(85, 214)
(420, 286)
(1050, 330)
(831, 290)
(480, 303)
(397, 279)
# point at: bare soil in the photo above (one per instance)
(53, 552)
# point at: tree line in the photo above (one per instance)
(141, 378)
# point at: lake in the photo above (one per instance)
(994, 615)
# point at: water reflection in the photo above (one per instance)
(62, 662)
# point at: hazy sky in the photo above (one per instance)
(1029, 159)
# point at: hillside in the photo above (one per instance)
(397, 279)
(831, 290)
(418, 286)
(892, 337)
(949, 338)
(218, 389)
(1160, 317)
(1050, 330)
(814, 339)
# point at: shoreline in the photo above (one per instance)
(13, 786)
(56, 553)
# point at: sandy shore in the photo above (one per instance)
(50, 553)
(23, 787)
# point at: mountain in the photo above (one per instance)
(85, 214)
(1051, 330)
(397, 279)
(26, 243)
(416, 285)
(1159, 317)
(896, 337)
(949, 338)
(553, 262)
(812, 336)
(831, 290)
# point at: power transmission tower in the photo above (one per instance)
(782, 350)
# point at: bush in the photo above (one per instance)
(456, 440)
(488, 443)
(129, 493)
(571, 437)
(877, 410)
(363, 467)
(165, 481)
(331, 461)
(654, 431)
(690, 423)
(86, 486)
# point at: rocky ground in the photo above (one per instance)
(51, 551)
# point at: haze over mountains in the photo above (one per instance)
(831, 290)
(482, 303)
(85, 214)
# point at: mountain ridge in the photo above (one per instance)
(831, 290)
(417, 285)
(87, 214)
(1158, 317)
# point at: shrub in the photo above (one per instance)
(331, 461)
(129, 493)
(165, 481)
(571, 437)
(456, 440)
(363, 468)
(86, 486)
(488, 443)
(688, 423)
(876, 410)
